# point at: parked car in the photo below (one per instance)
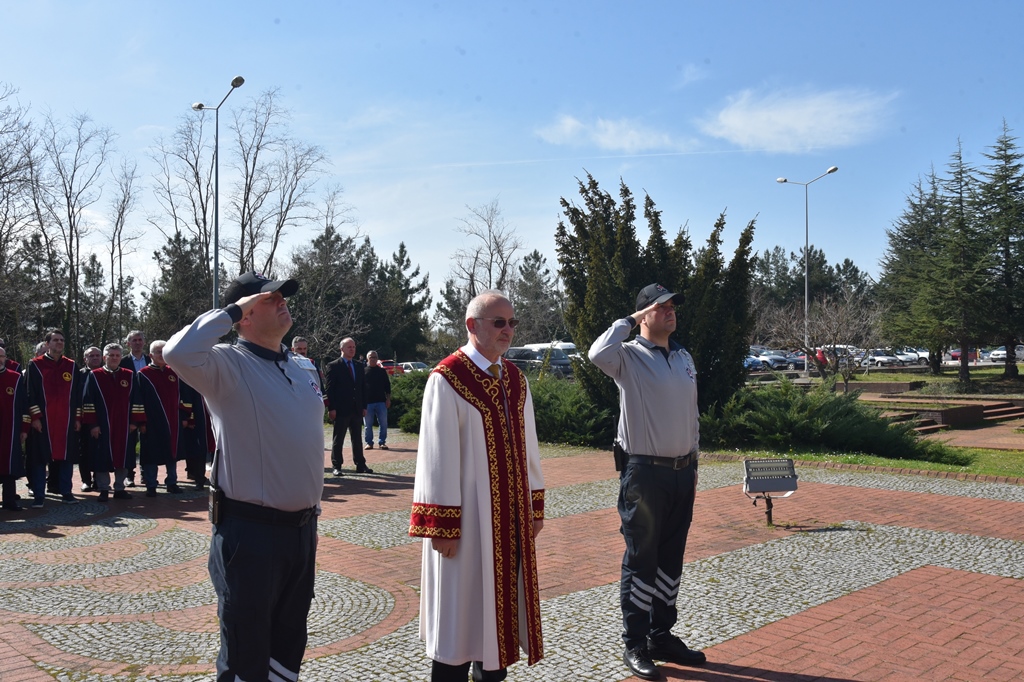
(772, 359)
(752, 363)
(415, 367)
(972, 354)
(906, 356)
(922, 355)
(879, 358)
(999, 354)
(531, 359)
(796, 361)
(392, 367)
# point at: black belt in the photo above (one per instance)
(670, 462)
(254, 512)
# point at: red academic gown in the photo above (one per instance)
(158, 391)
(55, 398)
(110, 404)
(14, 421)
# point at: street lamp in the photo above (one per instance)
(236, 82)
(807, 258)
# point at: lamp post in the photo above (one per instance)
(236, 82)
(807, 258)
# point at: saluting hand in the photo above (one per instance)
(641, 314)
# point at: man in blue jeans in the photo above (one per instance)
(378, 400)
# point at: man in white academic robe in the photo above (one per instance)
(478, 503)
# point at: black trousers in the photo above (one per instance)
(444, 672)
(656, 508)
(353, 424)
(263, 575)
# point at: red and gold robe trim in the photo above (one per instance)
(512, 510)
(435, 521)
(538, 504)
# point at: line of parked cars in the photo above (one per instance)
(999, 354)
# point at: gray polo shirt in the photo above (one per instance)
(657, 393)
(266, 410)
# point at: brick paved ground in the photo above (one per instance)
(867, 576)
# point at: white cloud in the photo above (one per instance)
(622, 135)
(793, 122)
(689, 73)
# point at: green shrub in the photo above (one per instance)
(564, 414)
(407, 400)
(783, 418)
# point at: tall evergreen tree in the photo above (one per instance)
(1001, 210)
(603, 266)
(909, 307)
(538, 302)
(963, 269)
(395, 308)
(179, 294)
(326, 307)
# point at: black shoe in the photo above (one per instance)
(481, 675)
(150, 492)
(337, 472)
(103, 496)
(673, 650)
(122, 495)
(86, 487)
(14, 506)
(383, 446)
(363, 469)
(369, 446)
(68, 499)
(639, 661)
(174, 489)
(37, 504)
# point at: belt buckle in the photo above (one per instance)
(680, 462)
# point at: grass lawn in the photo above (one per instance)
(988, 462)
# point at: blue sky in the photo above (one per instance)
(425, 108)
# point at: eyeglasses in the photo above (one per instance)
(500, 322)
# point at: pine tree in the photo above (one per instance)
(963, 269)
(178, 296)
(603, 267)
(1001, 210)
(909, 306)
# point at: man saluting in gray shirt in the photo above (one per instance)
(267, 410)
(657, 439)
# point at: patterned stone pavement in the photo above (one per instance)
(867, 576)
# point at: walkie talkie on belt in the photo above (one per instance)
(216, 494)
(621, 456)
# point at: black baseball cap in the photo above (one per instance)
(655, 293)
(254, 283)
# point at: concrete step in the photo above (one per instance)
(1004, 414)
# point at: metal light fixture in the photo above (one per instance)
(807, 259)
(236, 82)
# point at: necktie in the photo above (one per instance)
(351, 369)
(495, 370)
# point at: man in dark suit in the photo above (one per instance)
(134, 360)
(346, 405)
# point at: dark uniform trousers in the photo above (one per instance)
(263, 574)
(656, 507)
(353, 424)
